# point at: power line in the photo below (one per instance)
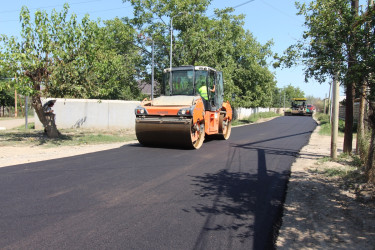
(282, 12)
(47, 7)
(79, 13)
(97, 11)
(234, 7)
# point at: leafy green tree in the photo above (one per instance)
(6, 94)
(364, 67)
(59, 56)
(328, 49)
(106, 68)
(288, 92)
(47, 44)
(339, 42)
(220, 42)
(118, 61)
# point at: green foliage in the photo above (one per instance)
(220, 42)
(60, 56)
(324, 49)
(6, 98)
(325, 126)
(322, 118)
(288, 92)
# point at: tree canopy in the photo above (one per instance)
(339, 43)
(59, 56)
(219, 41)
(286, 93)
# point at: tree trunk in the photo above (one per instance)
(348, 137)
(47, 119)
(370, 168)
(350, 88)
(361, 121)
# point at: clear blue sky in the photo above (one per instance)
(267, 19)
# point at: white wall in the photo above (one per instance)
(108, 114)
(244, 113)
(99, 114)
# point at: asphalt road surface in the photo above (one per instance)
(226, 195)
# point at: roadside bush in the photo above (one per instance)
(326, 126)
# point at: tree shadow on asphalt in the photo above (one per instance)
(246, 206)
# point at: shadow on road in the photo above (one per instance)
(246, 206)
(245, 202)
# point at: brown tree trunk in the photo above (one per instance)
(350, 88)
(361, 121)
(370, 168)
(47, 119)
(348, 137)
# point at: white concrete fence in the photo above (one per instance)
(98, 114)
(108, 114)
(244, 113)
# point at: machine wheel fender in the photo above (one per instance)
(229, 113)
(198, 111)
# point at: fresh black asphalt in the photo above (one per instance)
(226, 195)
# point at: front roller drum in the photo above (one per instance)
(177, 133)
(225, 128)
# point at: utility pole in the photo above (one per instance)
(26, 111)
(152, 70)
(15, 100)
(325, 98)
(170, 58)
(330, 103)
(335, 117)
(15, 104)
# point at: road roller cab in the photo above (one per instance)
(191, 106)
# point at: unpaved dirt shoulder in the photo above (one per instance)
(14, 155)
(318, 214)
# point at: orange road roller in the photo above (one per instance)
(190, 107)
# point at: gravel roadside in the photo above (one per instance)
(14, 122)
(318, 212)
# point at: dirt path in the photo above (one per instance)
(19, 155)
(318, 212)
(14, 122)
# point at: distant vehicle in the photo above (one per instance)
(310, 108)
(299, 108)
